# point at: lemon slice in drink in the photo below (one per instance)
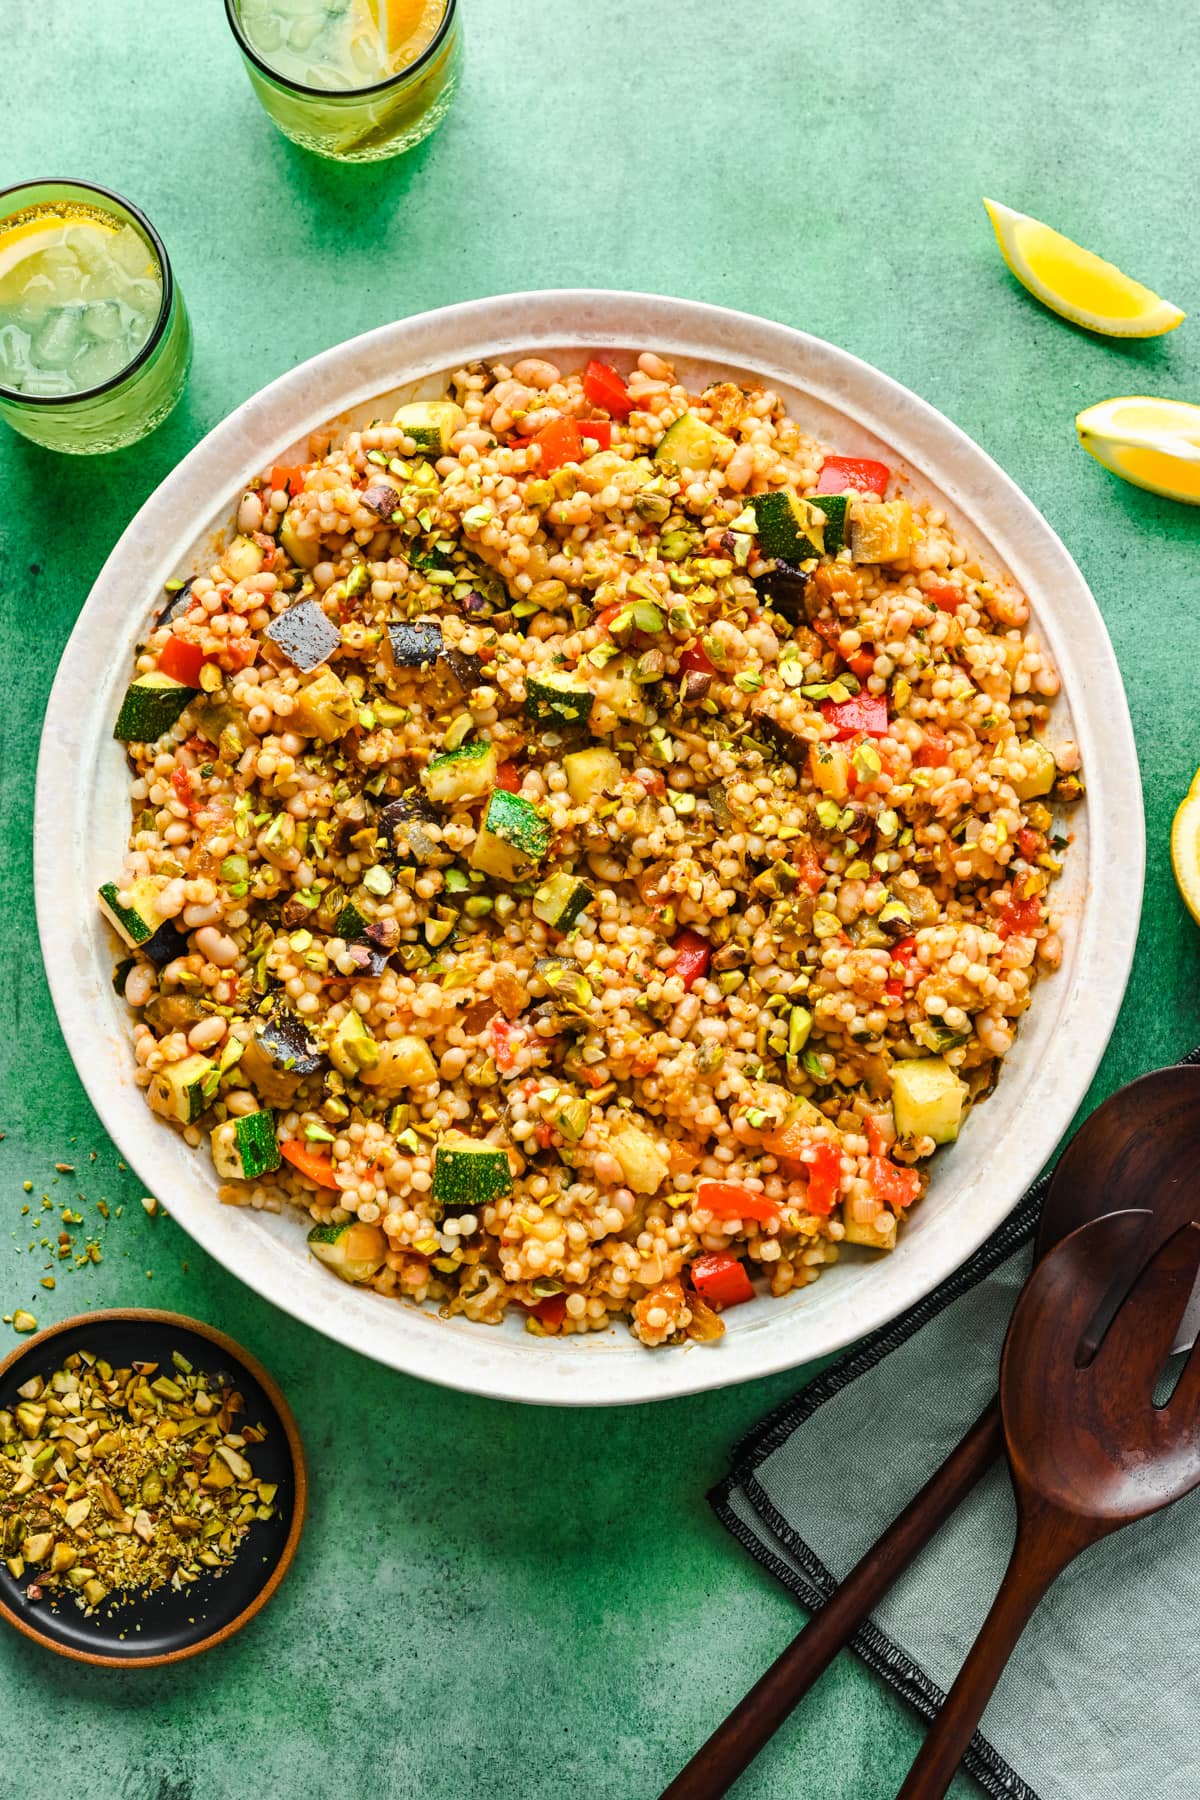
(1185, 848)
(1076, 283)
(1153, 443)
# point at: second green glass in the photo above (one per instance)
(353, 80)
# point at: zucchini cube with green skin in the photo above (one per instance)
(324, 708)
(513, 838)
(151, 706)
(690, 443)
(352, 1250)
(403, 1063)
(878, 1233)
(136, 923)
(181, 1091)
(559, 699)
(467, 1176)
(430, 423)
(463, 774)
(788, 527)
(927, 1099)
(246, 1147)
(882, 531)
(591, 774)
(562, 900)
(305, 552)
(836, 508)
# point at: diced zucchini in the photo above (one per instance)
(177, 1091)
(836, 508)
(246, 1147)
(691, 444)
(513, 838)
(788, 527)
(136, 923)
(352, 1250)
(1041, 776)
(619, 697)
(559, 698)
(305, 635)
(467, 1176)
(877, 1234)
(350, 923)
(241, 559)
(324, 708)
(404, 1062)
(352, 1049)
(151, 706)
(881, 531)
(591, 774)
(415, 645)
(430, 423)
(461, 774)
(305, 552)
(643, 1164)
(562, 900)
(280, 1056)
(927, 1099)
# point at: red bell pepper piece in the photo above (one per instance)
(858, 472)
(824, 1164)
(862, 662)
(692, 957)
(560, 443)
(599, 430)
(288, 479)
(865, 712)
(902, 952)
(695, 658)
(1030, 843)
(181, 661)
(946, 599)
(895, 1186)
(1020, 917)
(314, 1166)
(544, 1134)
(181, 782)
(502, 1049)
(721, 1279)
(551, 1311)
(934, 752)
(508, 777)
(726, 1200)
(605, 388)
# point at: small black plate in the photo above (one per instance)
(166, 1625)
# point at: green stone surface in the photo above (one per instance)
(491, 1600)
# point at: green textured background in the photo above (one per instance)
(491, 1600)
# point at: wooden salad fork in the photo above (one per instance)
(1088, 1448)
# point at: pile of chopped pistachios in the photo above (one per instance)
(115, 1482)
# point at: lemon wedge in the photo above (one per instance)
(1153, 443)
(1185, 848)
(1076, 283)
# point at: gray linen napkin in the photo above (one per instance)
(1101, 1700)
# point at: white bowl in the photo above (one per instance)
(82, 814)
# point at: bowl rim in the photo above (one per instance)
(576, 1371)
(235, 1351)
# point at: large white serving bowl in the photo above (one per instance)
(82, 816)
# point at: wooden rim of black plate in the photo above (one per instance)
(220, 1605)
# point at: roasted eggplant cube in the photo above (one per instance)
(785, 588)
(284, 1037)
(415, 646)
(167, 943)
(305, 635)
(403, 825)
(464, 670)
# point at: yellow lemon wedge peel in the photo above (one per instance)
(1152, 443)
(1185, 848)
(1076, 283)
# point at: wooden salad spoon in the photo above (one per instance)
(1088, 1449)
(1140, 1148)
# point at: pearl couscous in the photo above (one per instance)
(590, 845)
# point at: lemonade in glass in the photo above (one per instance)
(94, 339)
(355, 80)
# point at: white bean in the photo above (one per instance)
(240, 1102)
(216, 947)
(250, 513)
(536, 373)
(654, 366)
(139, 984)
(195, 916)
(206, 1033)
(740, 468)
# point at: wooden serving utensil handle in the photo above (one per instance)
(759, 1714)
(1045, 1545)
